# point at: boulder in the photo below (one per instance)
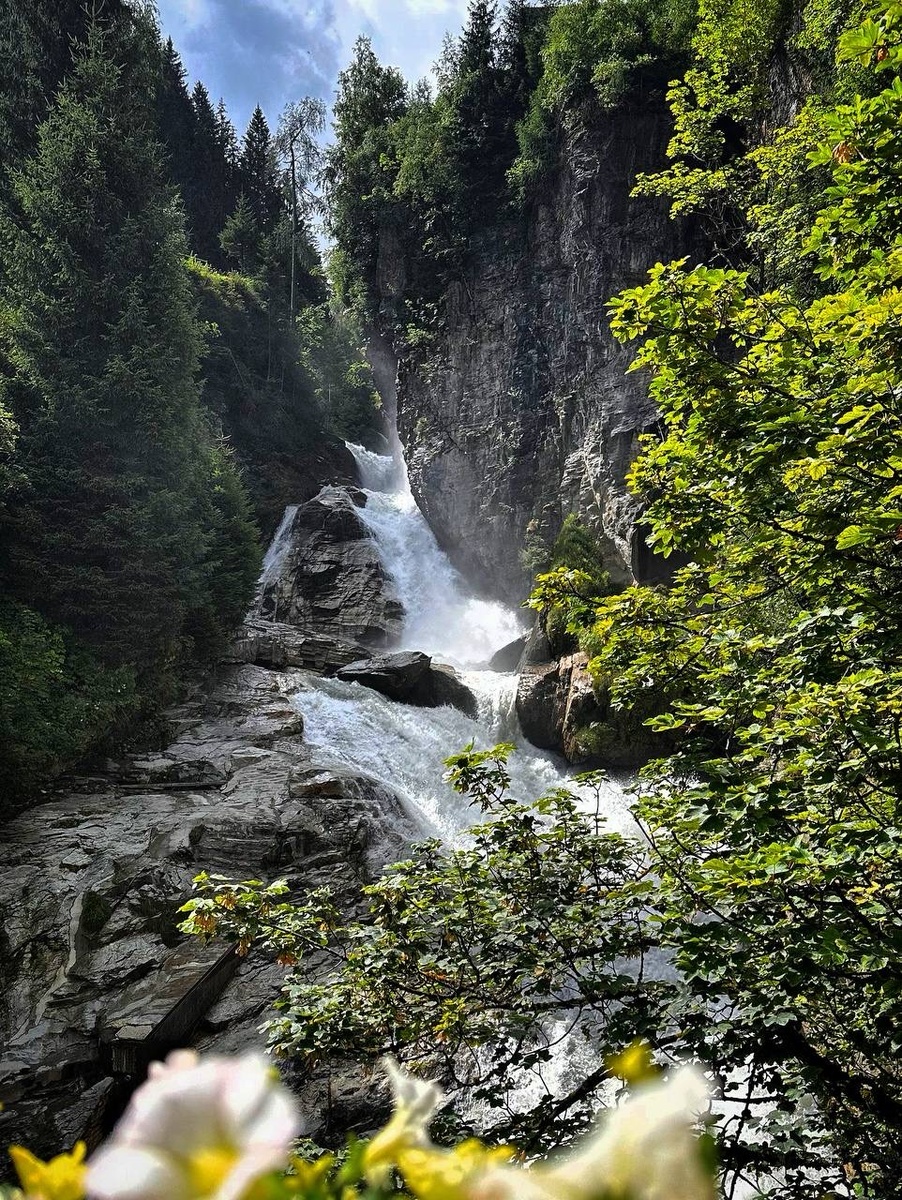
(410, 677)
(507, 659)
(560, 708)
(328, 576)
(397, 676)
(445, 687)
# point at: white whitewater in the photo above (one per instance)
(272, 560)
(442, 618)
(405, 747)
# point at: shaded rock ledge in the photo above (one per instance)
(95, 978)
(411, 677)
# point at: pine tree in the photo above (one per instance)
(241, 237)
(107, 533)
(259, 174)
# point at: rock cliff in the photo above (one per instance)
(95, 979)
(520, 411)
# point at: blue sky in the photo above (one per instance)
(273, 51)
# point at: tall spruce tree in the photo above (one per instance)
(36, 43)
(107, 530)
(259, 173)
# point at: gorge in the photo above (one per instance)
(465, 632)
(277, 768)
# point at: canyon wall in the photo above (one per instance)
(519, 409)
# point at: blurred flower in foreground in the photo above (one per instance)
(416, 1101)
(197, 1130)
(645, 1149)
(62, 1178)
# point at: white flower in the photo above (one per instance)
(415, 1103)
(197, 1129)
(646, 1149)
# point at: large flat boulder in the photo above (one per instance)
(410, 677)
(95, 978)
(278, 645)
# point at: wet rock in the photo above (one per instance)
(394, 675)
(508, 657)
(330, 578)
(410, 677)
(560, 708)
(94, 976)
(556, 702)
(446, 687)
(541, 705)
(278, 645)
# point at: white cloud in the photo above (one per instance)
(193, 13)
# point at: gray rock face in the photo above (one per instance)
(560, 709)
(411, 677)
(330, 578)
(524, 411)
(277, 645)
(509, 656)
(94, 978)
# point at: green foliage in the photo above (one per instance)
(124, 524)
(258, 389)
(728, 160)
(241, 237)
(332, 343)
(56, 701)
(568, 592)
(778, 474)
(106, 530)
(601, 51)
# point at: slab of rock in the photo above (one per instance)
(94, 976)
(508, 657)
(329, 577)
(410, 677)
(278, 645)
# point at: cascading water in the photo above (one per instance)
(272, 560)
(404, 747)
(442, 618)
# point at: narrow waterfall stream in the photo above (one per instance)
(404, 747)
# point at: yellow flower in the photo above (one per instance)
(634, 1065)
(62, 1178)
(308, 1176)
(433, 1174)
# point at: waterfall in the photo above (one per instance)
(404, 747)
(272, 560)
(442, 618)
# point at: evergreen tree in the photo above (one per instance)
(176, 120)
(107, 531)
(36, 43)
(227, 139)
(240, 238)
(259, 174)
